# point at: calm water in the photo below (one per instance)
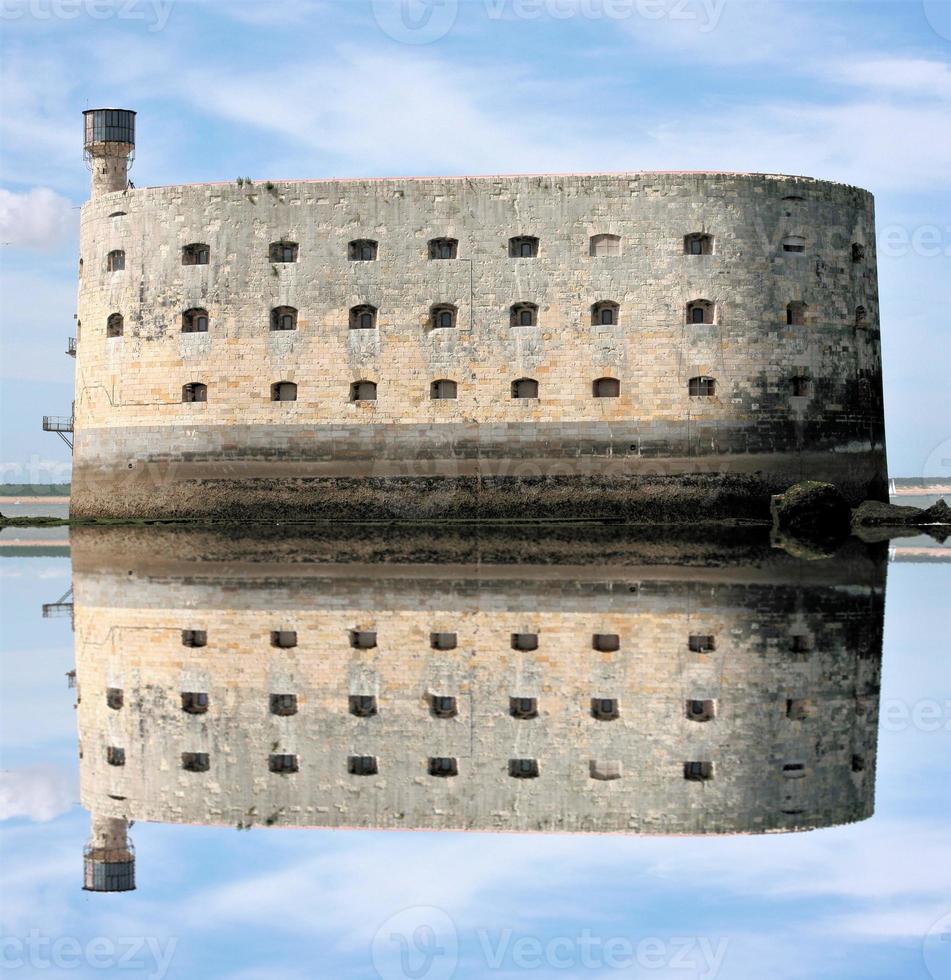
(811, 698)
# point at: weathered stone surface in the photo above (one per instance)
(482, 452)
(812, 510)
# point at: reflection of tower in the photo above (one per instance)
(109, 148)
(108, 857)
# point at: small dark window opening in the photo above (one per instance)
(698, 771)
(701, 643)
(117, 214)
(700, 710)
(604, 769)
(792, 770)
(283, 318)
(600, 246)
(801, 387)
(195, 762)
(858, 252)
(523, 247)
(283, 251)
(194, 638)
(606, 642)
(860, 316)
(115, 756)
(114, 698)
(605, 709)
(523, 768)
(283, 704)
(700, 311)
(115, 260)
(362, 250)
(799, 709)
(282, 763)
(363, 705)
(523, 315)
(698, 244)
(283, 391)
(195, 254)
(443, 388)
(443, 706)
(525, 388)
(702, 387)
(363, 639)
(363, 317)
(443, 766)
(858, 763)
(195, 391)
(363, 391)
(284, 638)
(362, 765)
(195, 321)
(605, 313)
(606, 388)
(114, 325)
(794, 243)
(443, 248)
(795, 314)
(194, 702)
(524, 641)
(443, 641)
(800, 643)
(523, 708)
(442, 316)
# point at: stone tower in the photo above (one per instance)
(108, 857)
(109, 148)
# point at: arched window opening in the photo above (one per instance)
(601, 246)
(117, 214)
(114, 325)
(524, 641)
(523, 768)
(525, 388)
(700, 311)
(196, 253)
(698, 772)
(443, 706)
(606, 388)
(194, 638)
(362, 705)
(281, 252)
(194, 702)
(796, 314)
(801, 386)
(284, 639)
(698, 243)
(283, 318)
(195, 321)
(523, 315)
(115, 260)
(858, 252)
(283, 705)
(283, 391)
(605, 769)
(443, 766)
(794, 243)
(114, 698)
(362, 250)
(523, 247)
(443, 388)
(195, 391)
(442, 316)
(195, 762)
(605, 312)
(605, 709)
(363, 317)
(606, 642)
(443, 248)
(115, 756)
(362, 765)
(363, 391)
(702, 387)
(523, 708)
(861, 317)
(702, 709)
(282, 763)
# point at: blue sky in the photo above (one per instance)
(851, 91)
(867, 902)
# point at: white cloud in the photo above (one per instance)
(38, 218)
(39, 793)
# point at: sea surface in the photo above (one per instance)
(816, 845)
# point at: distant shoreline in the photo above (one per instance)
(32, 501)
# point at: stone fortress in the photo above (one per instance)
(299, 684)
(560, 345)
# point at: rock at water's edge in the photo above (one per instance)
(812, 510)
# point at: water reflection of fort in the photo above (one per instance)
(599, 683)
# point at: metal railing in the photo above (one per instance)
(71, 346)
(61, 425)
